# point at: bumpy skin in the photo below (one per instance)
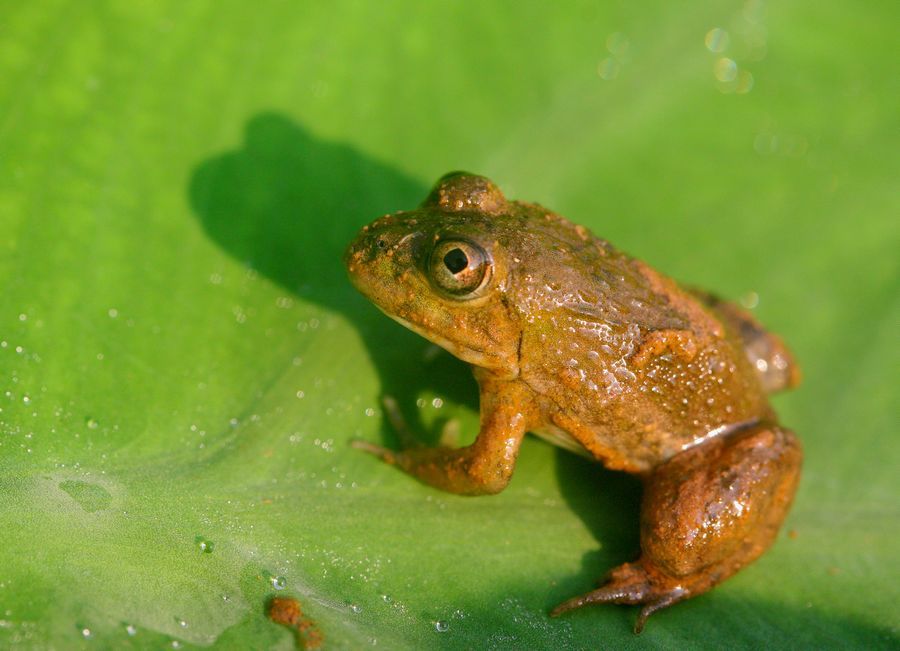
(597, 352)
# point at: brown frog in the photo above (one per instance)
(595, 351)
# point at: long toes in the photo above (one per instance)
(381, 452)
(608, 594)
(664, 601)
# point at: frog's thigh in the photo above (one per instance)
(711, 510)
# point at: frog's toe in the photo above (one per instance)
(628, 584)
(379, 451)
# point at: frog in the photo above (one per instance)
(595, 351)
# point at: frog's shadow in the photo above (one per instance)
(283, 188)
(286, 204)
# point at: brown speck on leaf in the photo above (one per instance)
(287, 612)
(792, 534)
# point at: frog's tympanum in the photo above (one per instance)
(597, 352)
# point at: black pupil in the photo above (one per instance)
(456, 260)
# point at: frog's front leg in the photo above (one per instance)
(706, 513)
(482, 468)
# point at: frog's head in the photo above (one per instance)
(441, 271)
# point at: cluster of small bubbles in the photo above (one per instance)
(748, 44)
(326, 444)
(441, 626)
(215, 278)
(239, 315)
(279, 582)
(284, 302)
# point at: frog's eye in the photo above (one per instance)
(458, 267)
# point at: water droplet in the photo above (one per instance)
(182, 623)
(617, 43)
(355, 608)
(87, 633)
(744, 82)
(370, 411)
(386, 598)
(301, 394)
(204, 545)
(91, 423)
(608, 69)
(279, 582)
(717, 40)
(441, 626)
(131, 629)
(750, 300)
(176, 644)
(725, 69)
(437, 403)
(26, 400)
(23, 317)
(113, 313)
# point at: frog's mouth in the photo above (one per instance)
(465, 353)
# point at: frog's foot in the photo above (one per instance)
(706, 513)
(631, 584)
(482, 468)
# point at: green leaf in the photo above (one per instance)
(183, 363)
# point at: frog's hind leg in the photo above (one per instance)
(706, 513)
(768, 354)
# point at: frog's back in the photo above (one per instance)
(630, 365)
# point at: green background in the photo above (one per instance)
(182, 359)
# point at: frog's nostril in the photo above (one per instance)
(381, 243)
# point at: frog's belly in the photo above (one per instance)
(563, 439)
